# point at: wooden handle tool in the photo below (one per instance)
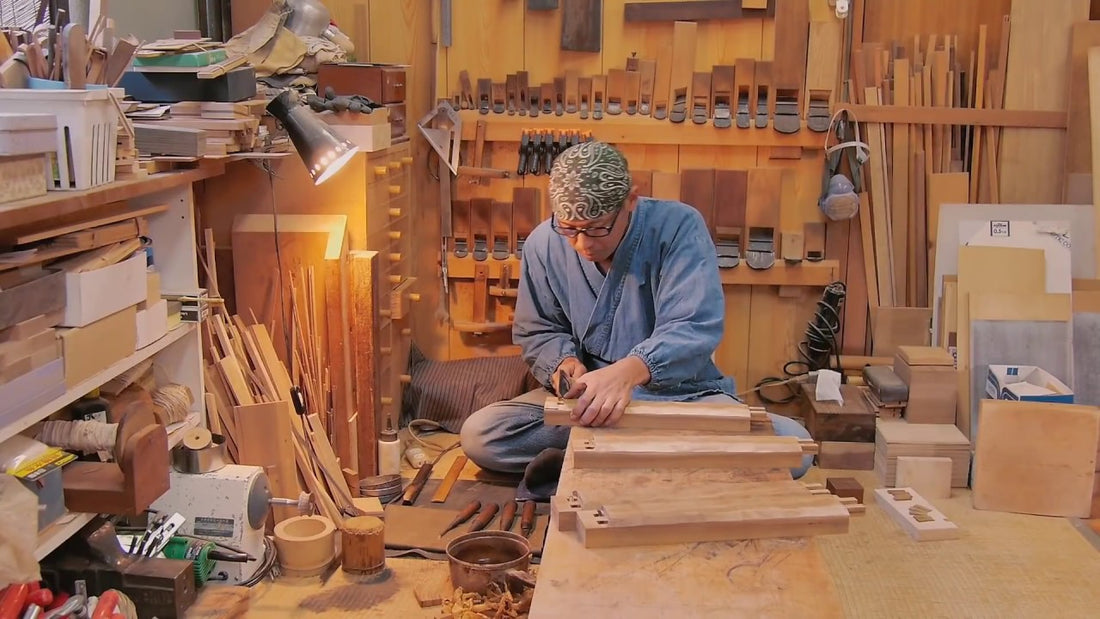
(527, 522)
(463, 516)
(414, 488)
(508, 515)
(485, 517)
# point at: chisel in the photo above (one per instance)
(527, 522)
(414, 488)
(508, 516)
(463, 516)
(485, 517)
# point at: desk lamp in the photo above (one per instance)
(322, 149)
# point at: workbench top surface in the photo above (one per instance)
(783, 577)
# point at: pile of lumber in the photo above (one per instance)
(897, 437)
(207, 129)
(694, 435)
(997, 116)
(269, 415)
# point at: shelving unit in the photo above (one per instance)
(178, 354)
(72, 395)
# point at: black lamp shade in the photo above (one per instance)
(323, 151)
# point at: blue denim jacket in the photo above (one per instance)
(661, 300)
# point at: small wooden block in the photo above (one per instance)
(828, 421)
(845, 487)
(926, 524)
(432, 591)
(929, 476)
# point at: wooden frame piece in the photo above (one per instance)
(640, 415)
(624, 449)
(923, 523)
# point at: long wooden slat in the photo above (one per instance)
(633, 450)
(1094, 114)
(899, 185)
(597, 531)
(641, 415)
(699, 10)
(926, 115)
(880, 207)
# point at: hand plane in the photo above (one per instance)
(565, 383)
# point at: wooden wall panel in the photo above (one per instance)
(487, 39)
(543, 58)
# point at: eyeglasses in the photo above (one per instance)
(591, 231)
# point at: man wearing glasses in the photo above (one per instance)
(620, 293)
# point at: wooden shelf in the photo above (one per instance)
(781, 274)
(62, 529)
(66, 526)
(55, 204)
(74, 394)
(624, 129)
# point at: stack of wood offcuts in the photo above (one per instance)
(194, 129)
(682, 437)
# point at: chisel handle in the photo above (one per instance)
(485, 517)
(508, 516)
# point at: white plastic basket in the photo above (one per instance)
(87, 128)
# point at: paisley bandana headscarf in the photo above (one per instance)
(588, 181)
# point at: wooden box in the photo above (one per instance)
(90, 349)
(380, 83)
(854, 421)
(397, 119)
(933, 385)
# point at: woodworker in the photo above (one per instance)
(620, 292)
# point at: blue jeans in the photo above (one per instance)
(505, 436)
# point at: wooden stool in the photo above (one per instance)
(364, 545)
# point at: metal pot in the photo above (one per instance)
(483, 557)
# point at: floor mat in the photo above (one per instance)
(1003, 565)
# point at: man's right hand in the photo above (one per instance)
(573, 368)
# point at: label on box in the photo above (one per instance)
(36, 467)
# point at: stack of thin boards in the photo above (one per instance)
(897, 437)
(686, 437)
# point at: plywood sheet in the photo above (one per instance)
(1080, 217)
(1036, 458)
(988, 270)
(1086, 350)
(1083, 35)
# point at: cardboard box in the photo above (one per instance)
(1027, 383)
(152, 323)
(41, 474)
(933, 383)
(90, 349)
(96, 294)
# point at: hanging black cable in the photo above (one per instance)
(816, 351)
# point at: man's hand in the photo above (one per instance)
(573, 368)
(607, 391)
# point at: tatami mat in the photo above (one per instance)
(1003, 565)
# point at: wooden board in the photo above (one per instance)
(1086, 364)
(1036, 458)
(627, 449)
(929, 476)
(789, 578)
(1083, 35)
(939, 528)
(988, 270)
(640, 415)
(900, 326)
(689, 522)
(846, 456)
(581, 26)
(1031, 170)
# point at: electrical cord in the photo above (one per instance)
(816, 351)
(267, 566)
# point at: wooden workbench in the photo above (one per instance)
(751, 578)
